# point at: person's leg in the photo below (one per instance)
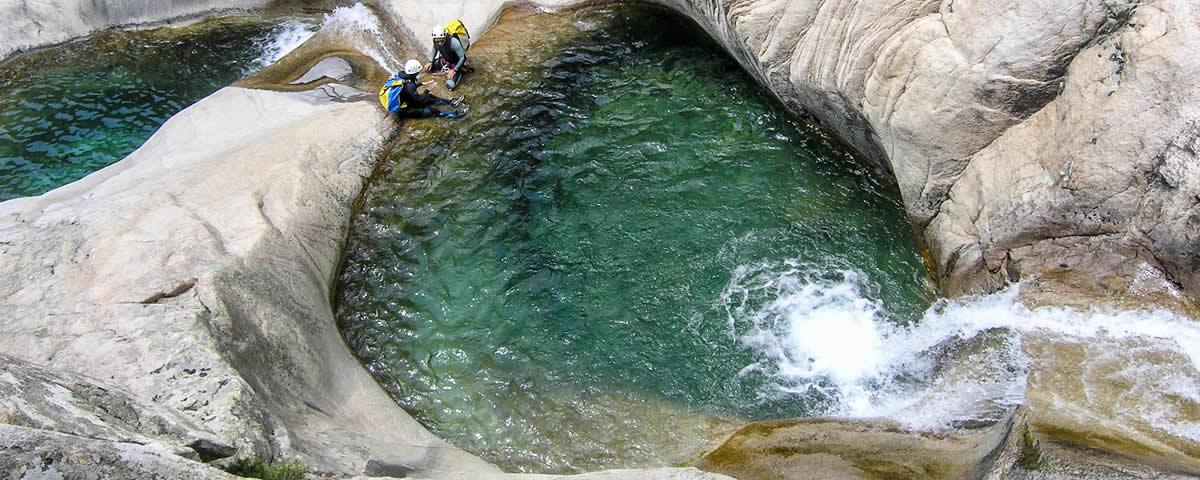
(427, 112)
(452, 81)
(424, 112)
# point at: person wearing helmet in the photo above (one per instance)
(400, 96)
(448, 54)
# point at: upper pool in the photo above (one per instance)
(582, 273)
(69, 110)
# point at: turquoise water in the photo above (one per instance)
(68, 111)
(545, 283)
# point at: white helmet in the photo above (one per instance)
(412, 67)
(439, 32)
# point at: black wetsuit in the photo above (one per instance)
(420, 104)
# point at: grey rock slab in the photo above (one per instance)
(1102, 181)
(332, 67)
(33, 454)
(35, 397)
(196, 274)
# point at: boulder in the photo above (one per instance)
(833, 448)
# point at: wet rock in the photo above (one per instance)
(847, 448)
(1132, 397)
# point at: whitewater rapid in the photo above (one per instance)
(965, 359)
(282, 40)
(360, 25)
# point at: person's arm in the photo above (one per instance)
(433, 53)
(456, 45)
(417, 99)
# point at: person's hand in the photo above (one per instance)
(450, 73)
(429, 67)
(428, 83)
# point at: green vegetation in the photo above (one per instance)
(1031, 451)
(258, 467)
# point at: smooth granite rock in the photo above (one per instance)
(196, 274)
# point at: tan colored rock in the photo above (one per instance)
(825, 448)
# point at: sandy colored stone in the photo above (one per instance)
(826, 448)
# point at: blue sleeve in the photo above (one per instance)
(456, 45)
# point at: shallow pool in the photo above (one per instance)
(560, 282)
(70, 110)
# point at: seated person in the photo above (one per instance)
(448, 54)
(400, 96)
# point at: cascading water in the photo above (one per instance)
(1132, 372)
(70, 110)
(282, 40)
(360, 25)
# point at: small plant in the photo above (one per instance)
(257, 467)
(1031, 451)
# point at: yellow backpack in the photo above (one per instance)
(455, 28)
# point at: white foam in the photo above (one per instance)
(288, 36)
(817, 333)
(360, 25)
(356, 17)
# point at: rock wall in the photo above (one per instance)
(1026, 137)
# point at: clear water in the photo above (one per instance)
(550, 282)
(68, 111)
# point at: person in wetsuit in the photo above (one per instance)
(448, 54)
(400, 96)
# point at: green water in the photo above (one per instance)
(540, 282)
(70, 110)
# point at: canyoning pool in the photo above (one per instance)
(560, 282)
(69, 110)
